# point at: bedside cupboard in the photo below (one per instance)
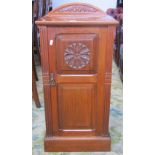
(76, 54)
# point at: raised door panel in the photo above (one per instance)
(76, 53)
(76, 104)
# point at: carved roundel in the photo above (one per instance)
(77, 55)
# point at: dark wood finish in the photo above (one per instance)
(118, 15)
(39, 9)
(34, 68)
(34, 88)
(76, 53)
(121, 62)
(35, 15)
(119, 3)
(34, 73)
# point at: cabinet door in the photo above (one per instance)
(77, 57)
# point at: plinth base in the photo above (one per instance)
(77, 144)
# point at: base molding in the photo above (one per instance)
(77, 144)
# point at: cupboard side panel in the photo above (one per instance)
(100, 80)
(45, 77)
(107, 77)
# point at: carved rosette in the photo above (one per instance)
(77, 55)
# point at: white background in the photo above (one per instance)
(102, 4)
(138, 84)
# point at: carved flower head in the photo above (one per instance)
(77, 55)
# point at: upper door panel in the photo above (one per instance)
(76, 53)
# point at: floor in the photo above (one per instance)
(116, 120)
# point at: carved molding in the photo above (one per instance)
(78, 9)
(108, 77)
(77, 55)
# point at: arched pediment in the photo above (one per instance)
(76, 14)
(77, 8)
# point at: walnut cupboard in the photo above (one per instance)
(76, 53)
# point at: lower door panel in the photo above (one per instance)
(76, 108)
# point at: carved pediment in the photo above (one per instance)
(77, 8)
(76, 14)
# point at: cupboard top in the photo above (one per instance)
(76, 14)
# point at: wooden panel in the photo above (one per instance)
(76, 52)
(76, 106)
